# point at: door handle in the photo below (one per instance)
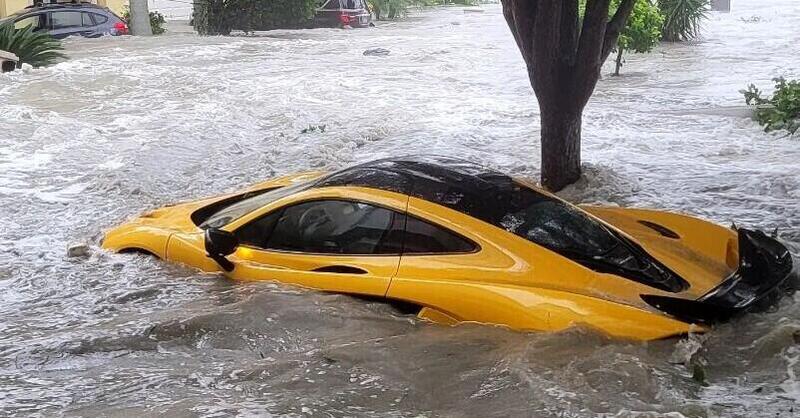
(340, 269)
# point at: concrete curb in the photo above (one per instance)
(8, 61)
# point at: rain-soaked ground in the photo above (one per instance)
(131, 124)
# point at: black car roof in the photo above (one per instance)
(467, 187)
(44, 7)
(498, 199)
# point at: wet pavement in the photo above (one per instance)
(128, 124)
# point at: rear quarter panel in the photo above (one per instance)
(705, 253)
(533, 309)
(513, 282)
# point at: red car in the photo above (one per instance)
(341, 13)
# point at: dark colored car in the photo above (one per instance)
(340, 13)
(70, 19)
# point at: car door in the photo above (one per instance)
(460, 268)
(330, 244)
(64, 23)
(90, 24)
(101, 25)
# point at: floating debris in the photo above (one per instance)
(376, 52)
(78, 250)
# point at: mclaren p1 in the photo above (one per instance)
(462, 243)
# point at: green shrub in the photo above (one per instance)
(156, 21)
(35, 48)
(682, 18)
(219, 17)
(782, 110)
(642, 31)
(389, 9)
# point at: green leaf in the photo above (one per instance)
(682, 18)
(782, 110)
(35, 48)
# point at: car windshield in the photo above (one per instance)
(240, 208)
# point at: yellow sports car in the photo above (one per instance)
(462, 243)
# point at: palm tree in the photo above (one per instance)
(35, 48)
(682, 18)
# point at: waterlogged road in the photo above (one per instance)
(130, 124)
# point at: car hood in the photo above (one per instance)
(701, 252)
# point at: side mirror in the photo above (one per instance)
(219, 244)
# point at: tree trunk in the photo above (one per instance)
(561, 149)
(564, 55)
(140, 19)
(619, 60)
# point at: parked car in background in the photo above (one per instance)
(70, 19)
(340, 13)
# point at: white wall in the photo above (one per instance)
(172, 9)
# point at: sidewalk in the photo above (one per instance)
(178, 26)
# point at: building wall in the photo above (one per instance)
(721, 5)
(116, 6)
(172, 10)
(8, 7)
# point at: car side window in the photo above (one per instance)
(424, 238)
(327, 227)
(87, 19)
(33, 20)
(99, 19)
(257, 233)
(65, 20)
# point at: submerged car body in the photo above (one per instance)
(463, 243)
(69, 19)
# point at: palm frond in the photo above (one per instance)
(682, 18)
(35, 48)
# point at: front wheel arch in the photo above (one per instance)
(137, 250)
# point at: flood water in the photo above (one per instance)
(126, 125)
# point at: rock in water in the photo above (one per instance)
(377, 52)
(78, 250)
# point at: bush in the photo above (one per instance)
(389, 9)
(782, 110)
(156, 21)
(35, 48)
(219, 17)
(682, 18)
(642, 32)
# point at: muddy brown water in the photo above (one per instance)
(129, 124)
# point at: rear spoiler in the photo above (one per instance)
(766, 272)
